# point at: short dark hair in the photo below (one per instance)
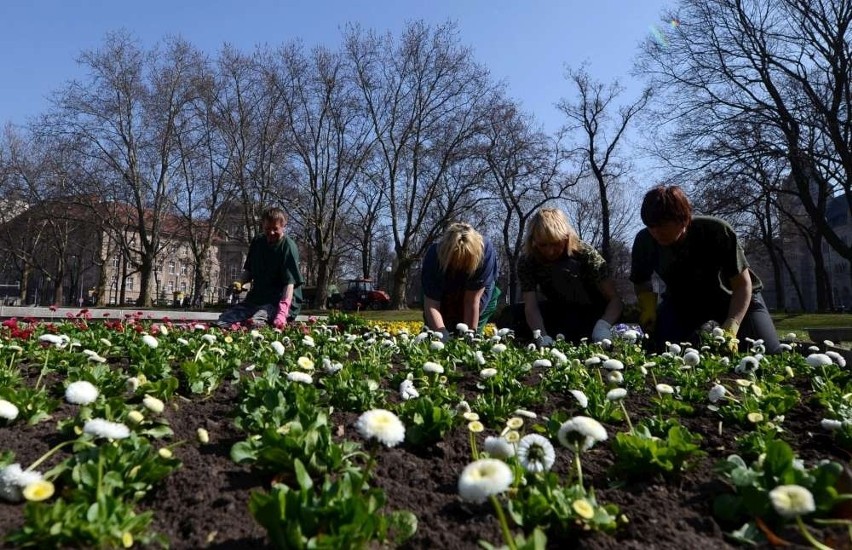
(274, 215)
(666, 204)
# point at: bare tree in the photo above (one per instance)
(125, 119)
(424, 97)
(783, 65)
(524, 173)
(602, 131)
(329, 139)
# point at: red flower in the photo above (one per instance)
(52, 307)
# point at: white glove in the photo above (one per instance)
(544, 341)
(602, 330)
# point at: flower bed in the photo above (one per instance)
(128, 434)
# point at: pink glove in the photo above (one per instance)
(283, 310)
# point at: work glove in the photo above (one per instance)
(541, 339)
(445, 334)
(237, 286)
(647, 310)
(280, 320)
(731, 328)
(601, 331)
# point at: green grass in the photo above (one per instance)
(381, 315)
(787, 322)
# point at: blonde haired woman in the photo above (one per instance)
(459, 278)
(581, 300)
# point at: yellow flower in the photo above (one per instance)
(583, 508)
(305, 363)
(228, 340)
(471, 416)
(515, 423)
(475, 426)
(127, 540)
(512, 436)
(38, 491)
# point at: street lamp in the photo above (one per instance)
(388, 271)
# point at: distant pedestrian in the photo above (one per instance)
(272, 270)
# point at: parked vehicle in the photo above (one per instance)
(359, 294)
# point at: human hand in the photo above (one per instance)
(544, 341)
(280, 321)
(601, 330)
(647, 310)
(731, 328)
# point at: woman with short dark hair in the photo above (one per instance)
(705, 271)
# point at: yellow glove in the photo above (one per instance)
(647, 310)
(731, 328)
(237, 286)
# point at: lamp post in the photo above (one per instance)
(388, 271)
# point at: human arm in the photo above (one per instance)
(433, 317)
(611, 313)
(470, 313)
(647, 305)
(741, 290)
(280, 320)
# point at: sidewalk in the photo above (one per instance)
(99, 314)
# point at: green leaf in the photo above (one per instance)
(243, 451)
(305, 481)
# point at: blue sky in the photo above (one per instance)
(527, 43)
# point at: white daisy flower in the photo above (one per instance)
(665, 389)
(582, 431)
(300, 377)
(98, 427)
(106, 342)
(581, 398)
(436, 345)
(305, 363)
(13, 479)
(616, 394)
(503, 332)
(432, 367)
(488, 372)
(691, 358)
(462, 328)
(331, 367)
(55, 340)
(182, 341)
(836, 358)
(819, 360)
(150, 341)
(786, 347)
(277, 346)
(256, 335)
(381, 425)
(525, 413)
(542, 363)
(8, 410)
(592, 361)
(717, 392)
(536, 453)
(831, 424)
(613, 364)
(614, 377)
(407, 390)
(81, 392)
(153, 404)
(749, 364)
(674, 349)
(479, 357)
(209, 338)
(484, 478)
(560, 357)
(791, 501)
(498, 348)
(131, 384)
(498, 447)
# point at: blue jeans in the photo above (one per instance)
(251, 314)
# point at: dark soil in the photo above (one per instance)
(204, 503)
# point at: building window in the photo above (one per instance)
(115, 260)
(171, 268)
(171, 286)
(234, 271)
(183, 268)
(129, 282)
(183, 287)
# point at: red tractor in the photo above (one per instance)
(359, 294)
